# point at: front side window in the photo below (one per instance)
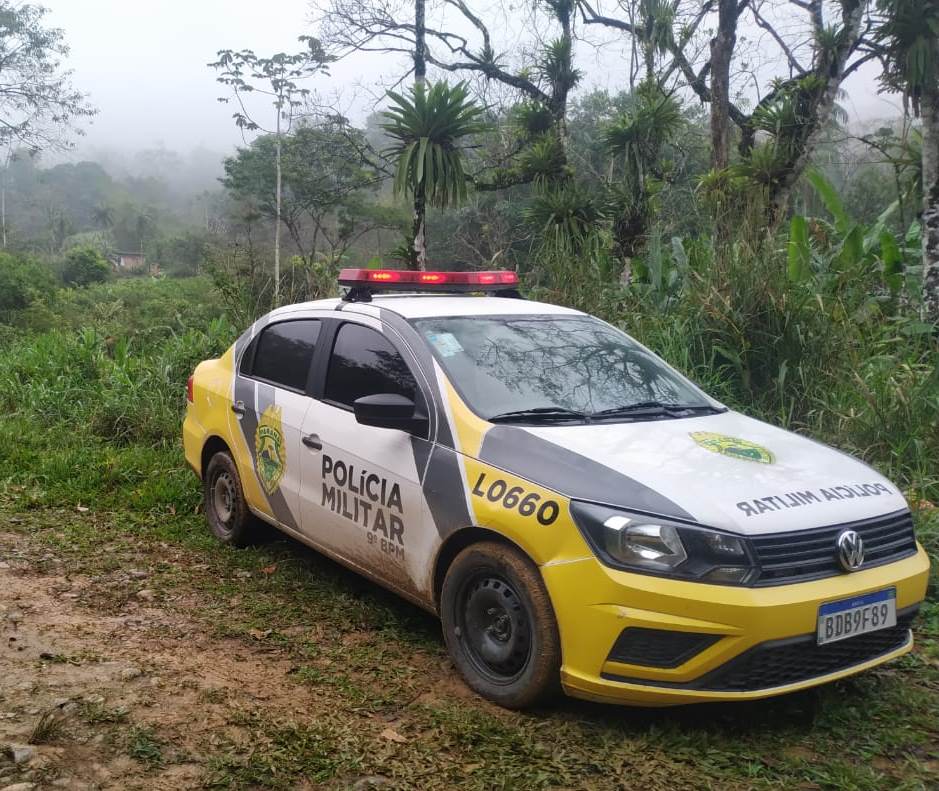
(285, 351)
(365, 363)
(567, 366)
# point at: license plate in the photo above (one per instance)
(839, 620)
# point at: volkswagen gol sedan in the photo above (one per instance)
(579, 514)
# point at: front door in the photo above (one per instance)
(361, 492)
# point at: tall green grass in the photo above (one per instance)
(838, 355)
(91, 410)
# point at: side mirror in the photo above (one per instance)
(388, 410)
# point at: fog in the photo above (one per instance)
(144, 67)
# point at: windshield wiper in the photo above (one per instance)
(542, 413)
(652, 408)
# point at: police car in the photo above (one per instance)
(579, 514)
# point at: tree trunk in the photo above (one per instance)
(929, 107)
(831, 70)
(722, 50)
(419, 249)
(420, 45)
(277, 216)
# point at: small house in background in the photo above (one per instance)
(129, 263)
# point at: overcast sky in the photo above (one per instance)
(144, 65)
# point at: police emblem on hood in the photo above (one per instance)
(270, 453)
(732, 446)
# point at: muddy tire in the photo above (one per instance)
(499, 626)
(226, 509)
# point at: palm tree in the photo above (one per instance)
(637, 136)
(103, 216)
(427, 127)
(909, 37)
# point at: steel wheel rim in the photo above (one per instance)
(494, 628)
(223, 500)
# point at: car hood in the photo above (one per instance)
(726, 471)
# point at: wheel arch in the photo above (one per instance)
(214, 444)
(455, 543)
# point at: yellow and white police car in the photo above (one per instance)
(580, 515)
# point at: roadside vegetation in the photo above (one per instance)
(782, 258)
(90, 457)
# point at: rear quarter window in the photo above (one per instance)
(283, 353)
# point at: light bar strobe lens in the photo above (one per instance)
(411, 280)
(636, 542)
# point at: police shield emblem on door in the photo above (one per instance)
(270, 452)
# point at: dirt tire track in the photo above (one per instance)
(156, 665)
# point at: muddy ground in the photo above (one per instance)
(136, 654)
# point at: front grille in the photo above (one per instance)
(783, 662)
(658, 647)
(811, 554)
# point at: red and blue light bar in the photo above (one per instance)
(367, 280)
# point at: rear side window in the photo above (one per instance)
(365, 363)
(285, 351)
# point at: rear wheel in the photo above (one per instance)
(226, 509)
(499, 626)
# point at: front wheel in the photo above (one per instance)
(499, 626)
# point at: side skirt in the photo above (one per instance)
(348, 563)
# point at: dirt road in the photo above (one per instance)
(137, 654)
(111, 688)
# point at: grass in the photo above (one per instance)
(144, 746)
(94, 423)
(49, 727)
(371, 659)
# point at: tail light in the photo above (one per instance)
(189, 390)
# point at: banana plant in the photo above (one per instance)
(851, 245)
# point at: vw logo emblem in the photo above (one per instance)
(850, 550)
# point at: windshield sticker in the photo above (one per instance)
(733, 447)
(270, 453)
(780, 502)
(445, 343)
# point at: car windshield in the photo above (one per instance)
(555, 368)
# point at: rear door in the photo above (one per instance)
(361, 492)
(270, 404)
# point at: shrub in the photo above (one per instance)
(835, 354)
(84, 266)
(23, 281)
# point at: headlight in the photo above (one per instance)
(660, 546)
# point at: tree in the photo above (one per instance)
(427, 127)
(84, 266)
(22, 282)
(636, 137)
(793, 112)
(103, 216)
(37, 101)
(541, 85)
(323, 178)
(280, 75)
(909, 38)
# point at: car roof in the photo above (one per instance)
(418, 306)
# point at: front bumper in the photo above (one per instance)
(753, 632)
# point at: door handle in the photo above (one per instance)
(312, 441)
(238, 408)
